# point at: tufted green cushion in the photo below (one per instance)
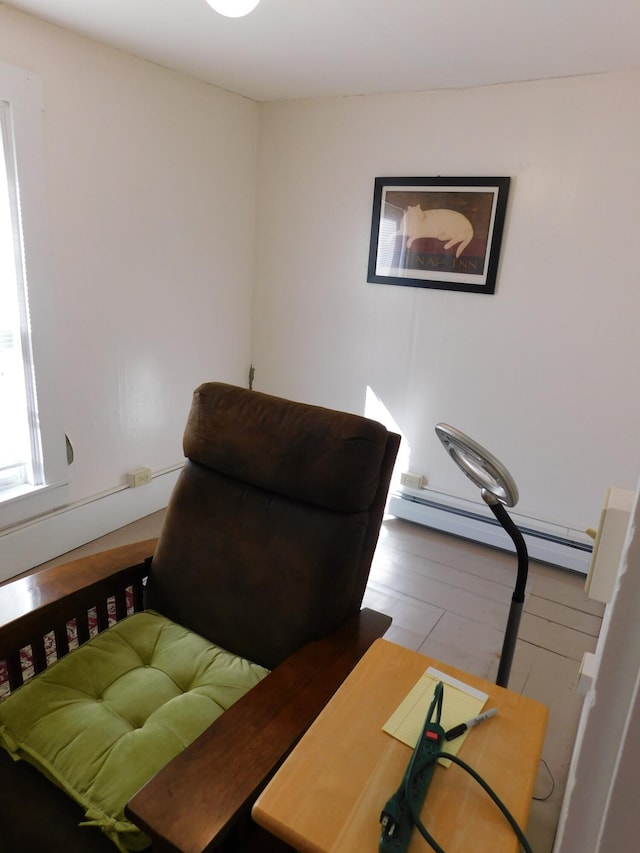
(107, 717)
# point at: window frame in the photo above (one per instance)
(22, 90)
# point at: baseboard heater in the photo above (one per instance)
(558, 546)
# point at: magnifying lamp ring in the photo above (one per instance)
(480, 466)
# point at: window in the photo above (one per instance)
(15, 451)
(32, 445)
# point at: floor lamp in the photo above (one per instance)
(498, 490)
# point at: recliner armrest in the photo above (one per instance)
(197, 798)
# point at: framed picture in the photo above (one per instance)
(442, 233)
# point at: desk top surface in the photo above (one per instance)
(328, 795)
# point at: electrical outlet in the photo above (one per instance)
(413, 481)
(139, 477)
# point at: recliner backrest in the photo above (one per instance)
(272, 525)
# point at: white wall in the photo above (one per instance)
(541, 371)
(151, 194)
(151, 183)
(600, 806)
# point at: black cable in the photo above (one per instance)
(553, 784)
(505, 811)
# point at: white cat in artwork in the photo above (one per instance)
(447, 225)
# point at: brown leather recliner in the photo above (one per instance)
(265, 551)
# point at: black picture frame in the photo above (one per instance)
(442, 233)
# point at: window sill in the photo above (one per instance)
(24, 503)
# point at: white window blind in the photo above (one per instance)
(33, 467)
(16, 464)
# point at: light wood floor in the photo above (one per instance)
(449, 598)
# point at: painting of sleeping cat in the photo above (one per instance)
(449, 226)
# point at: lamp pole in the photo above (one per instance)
(498, 489)
(517, 599)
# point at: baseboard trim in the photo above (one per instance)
(564, 547)
(70, 527)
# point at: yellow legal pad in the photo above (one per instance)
(460, 702)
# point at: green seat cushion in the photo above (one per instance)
(106, 718)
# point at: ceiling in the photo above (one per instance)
(310, 48)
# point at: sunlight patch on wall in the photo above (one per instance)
(375, 409)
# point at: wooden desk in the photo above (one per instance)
(328, 795)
